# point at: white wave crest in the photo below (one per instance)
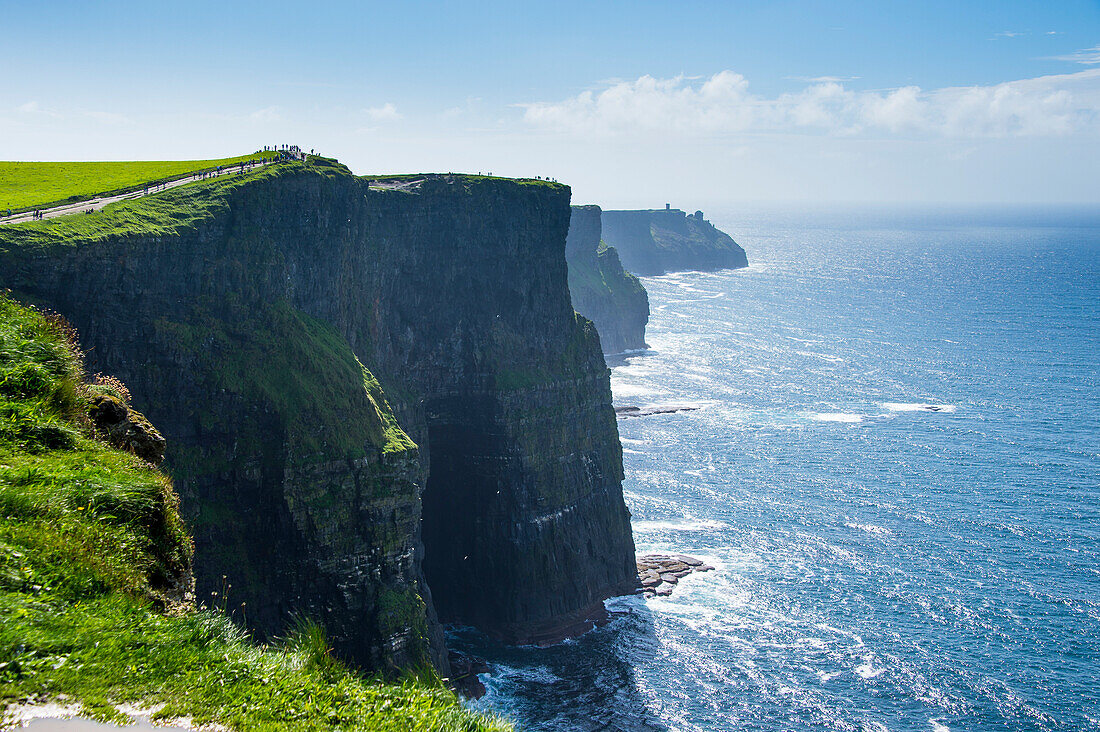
(870, 528)
(838, 417)
(867, 671)
(620, 388)
(823, 356)
(680, 525)
(918, 407)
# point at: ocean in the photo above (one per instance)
(894, 467)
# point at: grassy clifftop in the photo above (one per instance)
(164, 214)
(94, 564)
(38, 185)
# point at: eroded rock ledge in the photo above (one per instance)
(659, 573)
(632, 411)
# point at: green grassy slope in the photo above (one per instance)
(164, 214)
(37, 185)
(604, 280)
(467, 178)
(88, 535)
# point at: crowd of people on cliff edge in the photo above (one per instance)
(291, 152)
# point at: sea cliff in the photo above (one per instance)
(600, 288)
(381, 410)
(653, 242)
(97, 613)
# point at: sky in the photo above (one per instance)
(631, 103)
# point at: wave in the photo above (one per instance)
(869, 528)
(678, 525)
(620, 389)
(838, 417)
(918, 407)
(823, 356)
(867, 671)
(539, 674)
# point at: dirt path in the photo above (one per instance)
(94, 204)
(395, 185)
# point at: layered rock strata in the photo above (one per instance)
(378, 401)
(601, 289)
(654, 242)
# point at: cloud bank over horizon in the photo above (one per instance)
(1047, 106)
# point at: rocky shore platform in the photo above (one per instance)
(648, 411)
(659, 573)
(464, 679)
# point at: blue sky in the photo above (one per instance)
(627, 102)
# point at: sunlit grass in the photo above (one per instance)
(38, 185)
(92, 558)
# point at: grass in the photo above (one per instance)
(164, 214)
(464, 178)
(607, 280)
(176, 210)
(25, 186)
(92, 555)
(296, 366)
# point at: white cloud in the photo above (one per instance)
(33, 107)
(386, 112)
(820, 79)
(722, 104)
(266, 115)
(110, 118)
(470, 107)
(1087, 56)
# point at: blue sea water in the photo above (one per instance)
(880, 565)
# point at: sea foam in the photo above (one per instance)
(869, 528)
(681, 525)
(838, 417)
(918, 407)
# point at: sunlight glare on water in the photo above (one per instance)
(896, 471)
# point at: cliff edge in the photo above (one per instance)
(653, 242)
(380, 407)
(600, 288)
(97, 615)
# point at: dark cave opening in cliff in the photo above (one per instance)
(458, 505)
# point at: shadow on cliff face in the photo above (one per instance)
(585, 684)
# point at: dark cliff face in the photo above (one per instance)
(281, 338)
(653, 242)
(601, 290)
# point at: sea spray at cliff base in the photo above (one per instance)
(931, 565)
